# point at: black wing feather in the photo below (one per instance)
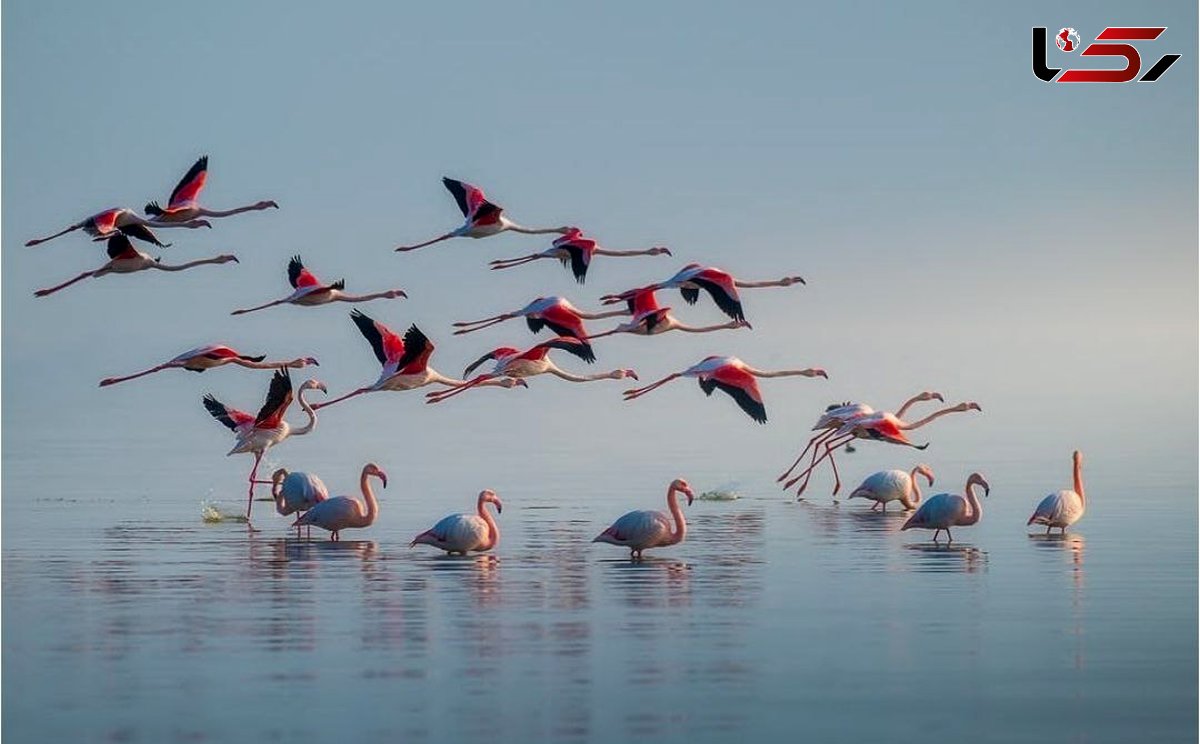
(579, 264)
(141, 232)
(219, 412)
(690, 294)
(459, 192)
(295, 266)
(728, 305)
(756, 410)
(475, 364)
(197, 168)
(279, 393)
(571, 345)
(117, 245)
(415, 344)
(366, 326)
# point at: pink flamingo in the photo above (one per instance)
(125, 259)
(720, 285)
(296, 492)
(893, 485)
(309, 291)
(208, 357)
(1064, 508)
(732, 376)
(483, 218)
(464, 533)
(342, 512)
(104, 225)
(576, 251)
(650, 320)
(639, 530)
(183, 205)
(555, 313)
(946, 510)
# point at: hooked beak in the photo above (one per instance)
(690, 495)
(321, 386)
(631, 374)
(313, 361)
(821, 373)
(382, 478)
(522, 383)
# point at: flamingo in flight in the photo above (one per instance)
(257, 434)
(946, 510)
(103, 225)
(208, 357)
(464, 533)
(405, 360)
(720, 285)
(483, 218)
(555, 313)
(183, 205)
(650, 320)
(640, 530)
(123, 258)
(510, 362)
(1064, 508)
(893, 485)
(732, 376)
(308, 291)
(296, 492)
(576, 251)
(343, 512)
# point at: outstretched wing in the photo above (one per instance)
(141, 232)
(120, 246)
(721, 288)
(384, 341)
(417, 350)
(581, 349)
(299, 276)
(558, 319)
(739, 385)
(231, 417)
(580, 250)
(471, 201)
(279, 397)
(188, 190)
(493, 354)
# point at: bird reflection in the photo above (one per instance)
(935, 558)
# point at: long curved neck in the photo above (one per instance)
(343, 297)
(909, 404)
(534, 230)
(228, 212)
(1079, 481)
(680, 530)
(369, 497)
(188, 265)
(914, 489)
(312, 415)
(931, 417)
(277, 493)
(486, 516)
(976, 507)
(554, 370)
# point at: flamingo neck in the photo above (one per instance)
(1079, 482)
(369, 497)
(493, 529)
(229, 212)
(680, 530)
(914, 489)
(931, 417)
(976, 507)
(312, 415)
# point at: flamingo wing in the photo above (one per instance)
(571, 345)
(279, 397)
(653, 318)
(417, 350)
(579, 255)
(331, 514)
(721, 288)
(120, 246)
(500, 353)
(558, 319)
(188, 189)
(103, 223)
(384, 341)
(739, 385)
(938, 512)
(300, 277)
(637, 529)
(231, 417)
(301, 492)
(141, 232)
(471, 201)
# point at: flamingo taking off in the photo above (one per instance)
(183, 205)
(483, 218)
(893, 485)
(650, 320)
(1064, 508)
(946, 510)
(464, 533)
(720, 285)
(308, 291)
(296, 492)
(639, 530)
(123, 258)
(103, 225)
(732, 376)
(342, 512)
(555, 313)
(208, 357)
(576, 251)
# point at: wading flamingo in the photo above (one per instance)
(257, 434)
(946, 510)
(103, 225)
(639, 530)
(483, 218)
(183, 205)
(125, 259)
(650, 320)
(555, 313)
(1064, 508)
(208, 357)
(296, 492)
(576, 251)
(310, 291)
(463, 533)
(732, 376)
(720, 285)
(342, 512)
(893, 485)
(405, 361)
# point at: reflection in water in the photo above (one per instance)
(943, 558)
(1070, 547)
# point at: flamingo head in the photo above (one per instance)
(660, 250)
(788, 281)
(621, 374)
(971, 406)
(931, 395)
(314, 385)
(488, 495)
(679, 484)
(1077, 458)
(926, 471)
(372, 469)
(392, 294)
(976, 479)
(266, 205)
(512, 382)
(816, 372)
(222, 259)
(278, 476)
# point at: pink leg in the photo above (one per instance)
(828, 452)
(638, 392)
(250, 495)
(812, 442)
(438, 397)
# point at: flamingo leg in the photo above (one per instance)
(250, 494)
(815, 440)
(478, 325)
(441, 395)
(438, 239)
(638, 392)
(508, 263)
(828, 452)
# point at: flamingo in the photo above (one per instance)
(114, 220)
(650, 320)
(1064, 508)
(405, 361)
(946, 510)
(639, 530)
(210, 356)
(720, 285)
(296, 492)
(257, 434)
(576, 251)
(308, 290)
(483, 218)
(510, 362)
(893, 485)
(343, 512)
(125, 259)
(463, 533)
(555, 313)
(733, 376)
(183, 205)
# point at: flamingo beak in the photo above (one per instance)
(313, 361)
(690, 495)
(522, 383)
(382, 478)
(974, 407)
(822, 373)
(321, 386)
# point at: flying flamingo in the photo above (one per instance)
(733, 376)
(343, 512)
(310, 291)
(105, 224)
(510, 362)
(720, 285)
(650, 320)
(555, 313)
(210, 356)
(125, 259)
(946, 510)
(893, 485)
(183, 205)
(257, 434)
(483, 217)
(462, 533)
(576, 251)
(296, 492)
(405, 361)
(639, 530)
(1064, 508)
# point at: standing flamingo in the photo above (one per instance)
(405, 361)
(103, 225)
(343, 512)
(733, 376)
(720, 285)
(257, 434)
(296, 492)
(310, 291)
(1064, 508)
(650, 320)
(893, 485)
(555, 313)
(208, 357)
(639, 530)
(125, 259)
(483, 218)
(463, 533)
(576, 251)
(946, 510)
(183, 205)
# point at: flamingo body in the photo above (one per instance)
(300, 492)
(464, 533)
(342, 512)
(887, 486)
(1066, 507)
(644, 529)
(946, 510)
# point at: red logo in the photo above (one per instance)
(1067, 40)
